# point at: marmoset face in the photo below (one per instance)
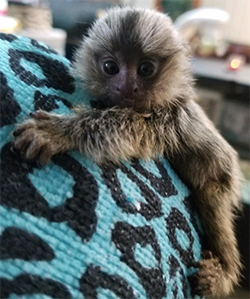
(132, 58)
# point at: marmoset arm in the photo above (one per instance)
(104, 135)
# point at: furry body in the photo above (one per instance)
(145, 109)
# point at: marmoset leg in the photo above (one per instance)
(209, 165)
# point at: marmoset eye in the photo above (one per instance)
(146, 69)
(110, 67)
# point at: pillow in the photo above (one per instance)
(73, 229)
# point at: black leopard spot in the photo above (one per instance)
(18, 192)
(175, 267)
(26, 284)
(126, 237)
(149, 210)
(36, 44)
(175, 222)
(56, 73)
(9, 108)
(94, 278)
(163, 184)
(48, 102)
(15, 243)
(8, 37)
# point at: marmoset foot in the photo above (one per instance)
(210, 280)
(39, 138)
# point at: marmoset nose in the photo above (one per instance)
(125, 89)
(120, 89)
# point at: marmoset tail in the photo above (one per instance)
(137, 67)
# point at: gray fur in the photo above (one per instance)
(167, 123)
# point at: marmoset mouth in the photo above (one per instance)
(129, 102)
(135, 104)
(106, 102)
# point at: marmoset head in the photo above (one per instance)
(134, 58)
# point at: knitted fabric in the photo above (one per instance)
(73, 229)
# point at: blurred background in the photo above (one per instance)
(218, 32)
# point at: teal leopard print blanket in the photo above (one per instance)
(72, 229)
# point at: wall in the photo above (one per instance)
(238, 29)
(141, 3)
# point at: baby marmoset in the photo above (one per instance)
(136, 65)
